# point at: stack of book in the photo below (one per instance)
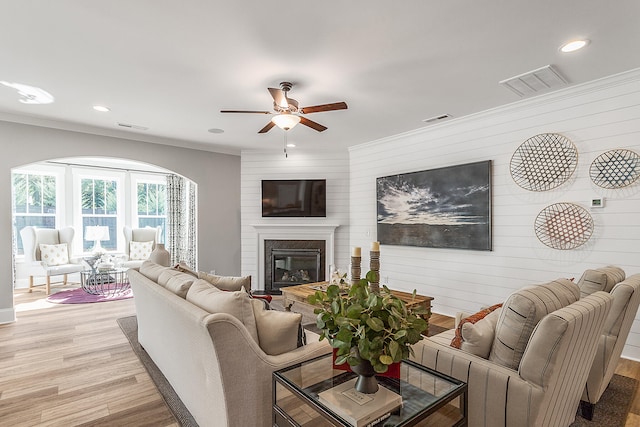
(359, 409)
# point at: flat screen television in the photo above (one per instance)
(294, 198)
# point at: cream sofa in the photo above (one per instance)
(541, 351)
(214, 361)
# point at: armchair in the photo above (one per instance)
(626, 299)
(544, 387)
(52, 259)
(139, 235)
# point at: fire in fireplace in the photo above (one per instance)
(293, 262)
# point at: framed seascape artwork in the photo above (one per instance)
(448, 207)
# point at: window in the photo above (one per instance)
(34, 202)
(99, 203)
(152, 202)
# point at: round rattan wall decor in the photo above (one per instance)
(544, 162)
(615, 169)
(564, 226)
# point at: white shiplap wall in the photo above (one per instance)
(256, 166)
(597, 117)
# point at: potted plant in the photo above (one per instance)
(370, 331)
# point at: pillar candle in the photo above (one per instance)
(375, 246)
(355, 251)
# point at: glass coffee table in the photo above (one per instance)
(109, 283)
(428, 397)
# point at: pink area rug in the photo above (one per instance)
(79, 296)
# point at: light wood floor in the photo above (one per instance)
(70, 365)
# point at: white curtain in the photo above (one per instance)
(181, 239)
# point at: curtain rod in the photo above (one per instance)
(109, 167)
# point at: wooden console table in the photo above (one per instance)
(301, 293)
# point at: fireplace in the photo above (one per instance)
(293, 262)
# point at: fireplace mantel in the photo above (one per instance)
(297, 231)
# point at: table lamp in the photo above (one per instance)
(96, 233)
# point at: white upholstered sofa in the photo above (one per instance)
(540, 352)
(216, 359)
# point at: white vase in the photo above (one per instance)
(160, 255)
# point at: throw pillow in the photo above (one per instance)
(176, 282)
(478, 337)
(457, 339)
(140, 250)
(226, 283)
(521, 312)
(277, 330)
(601, 279)
(184, 267)
(237, 304)
(151, 270)
(54, 254)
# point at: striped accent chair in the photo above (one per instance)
(626, 299)
(543, 389)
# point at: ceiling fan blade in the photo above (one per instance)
(245, 111)
(324, 107)
(267, 128)
(312, 124)
(279, 97)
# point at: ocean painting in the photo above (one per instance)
(448, 207)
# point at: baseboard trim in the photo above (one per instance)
(7, 315)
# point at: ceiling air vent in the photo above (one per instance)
(437, 118)
(130, 126)
(536, 81)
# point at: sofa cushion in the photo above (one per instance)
(521, 312)
(477, 338)
(151, 270)
(140, 250)
(471, 319)
(226, 283)
(278, 331)
(600, 279)
(54, 254)
(176, 281)
(184, 267)
(211, 299)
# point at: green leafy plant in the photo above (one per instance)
(365, 325)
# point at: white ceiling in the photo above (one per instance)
(172, 66)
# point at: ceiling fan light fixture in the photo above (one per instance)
(573, 45)
(286, 121)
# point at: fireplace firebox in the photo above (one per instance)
(293, 262)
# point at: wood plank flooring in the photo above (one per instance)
(70, 365)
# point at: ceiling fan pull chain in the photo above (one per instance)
(286, 156)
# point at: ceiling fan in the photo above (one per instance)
(287, 113)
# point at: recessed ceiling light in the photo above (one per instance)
(101, 108)
(573, 45)
(216, 130)
(291, 145)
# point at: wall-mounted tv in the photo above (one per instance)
(294, 198)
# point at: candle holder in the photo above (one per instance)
(374, 266)
(355, 269)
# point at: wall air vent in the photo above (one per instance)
(437, 118)
(130, 126)
(534, 82)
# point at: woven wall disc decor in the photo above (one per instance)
(544, 162)
(615, 169)
(564, 226)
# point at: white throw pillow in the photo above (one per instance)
(277, 330)
(478, 337)
(140, 250)
(54, 254)
(211, 299)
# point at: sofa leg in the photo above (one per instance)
(586, 410)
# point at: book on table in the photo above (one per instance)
(360, 409)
